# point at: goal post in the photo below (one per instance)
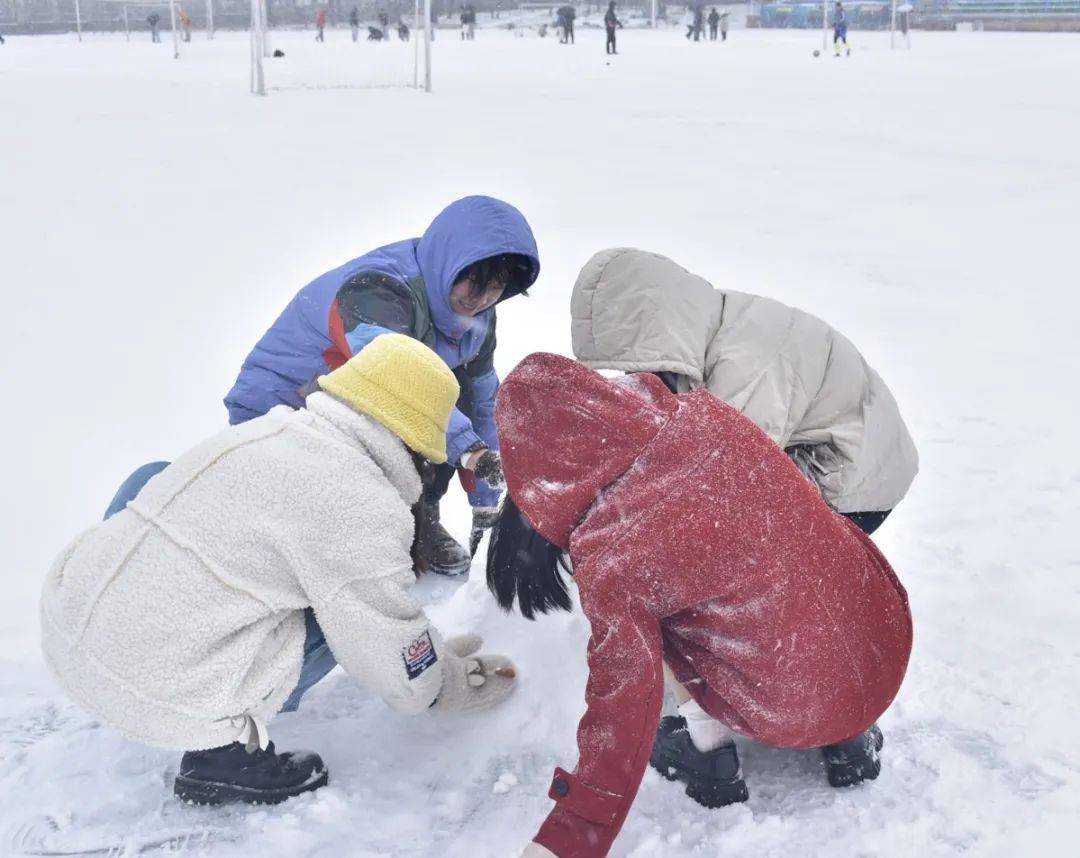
(333, 60)
(901, 15)
(126, 10)
(258, 78)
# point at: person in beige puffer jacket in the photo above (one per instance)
(800, 380)
(241, 573)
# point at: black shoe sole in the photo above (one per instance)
(850, 774)
(450, 571)
(710, 794)
(194, 791)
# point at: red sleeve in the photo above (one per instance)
(615, 736)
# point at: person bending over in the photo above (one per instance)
(698, 550)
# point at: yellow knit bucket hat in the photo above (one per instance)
(405, 386)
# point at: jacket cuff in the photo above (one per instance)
(570, 836)
(580, 826)
(458, 442)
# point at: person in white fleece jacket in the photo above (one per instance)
(214, 595)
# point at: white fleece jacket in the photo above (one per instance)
(181, 617)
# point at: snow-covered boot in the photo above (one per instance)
(232, 774)
(856, 760)
(439, 552)
(713, 779)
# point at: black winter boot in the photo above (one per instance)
(438, 550)
(713, 779)
(856, 760)
(231, 774)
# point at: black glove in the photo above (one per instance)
(489, 469)
(483, 518)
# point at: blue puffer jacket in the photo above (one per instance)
(403, 287)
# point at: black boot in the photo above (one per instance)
(856, 760)
(439, 551)
(713, 778)
(231, 774)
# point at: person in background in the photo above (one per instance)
(402, 30)
(611, 23)
(714, 24)
(354, 23)
(185, 23)
(569, 13)
(724, 18)
(223, 586)
(154, 20)
(320, 25)
(384, 23)
(704, 558)
(441, 289)
(839, 28)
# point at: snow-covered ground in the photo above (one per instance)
(154, 218)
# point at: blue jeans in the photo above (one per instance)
(318, 659)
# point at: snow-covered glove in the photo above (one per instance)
(535, 850)
(473, 681)
(483, 518)
(489, 469)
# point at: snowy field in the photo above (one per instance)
(155, 217)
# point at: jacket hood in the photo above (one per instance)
(640, 312)
(466, 231)
(566, 433)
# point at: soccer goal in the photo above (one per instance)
(134, 13)
(341, 52)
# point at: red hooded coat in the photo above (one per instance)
(696, 541)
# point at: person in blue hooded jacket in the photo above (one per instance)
(441, 289)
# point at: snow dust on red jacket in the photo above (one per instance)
(694, 540)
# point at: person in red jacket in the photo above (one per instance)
(320, 25)
(698, 550)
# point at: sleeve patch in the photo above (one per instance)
(419, 655)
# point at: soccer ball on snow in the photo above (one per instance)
(817, 53)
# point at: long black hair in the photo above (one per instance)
(522, 563)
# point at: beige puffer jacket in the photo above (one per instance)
(180, 620)
(801, 381)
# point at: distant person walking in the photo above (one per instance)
(354, 23)
(384, 23)
(320, 25)
(723, 25)
(154, 19)
(611, 24)
(185, 24)
(839, 33)
(468, 23)
(567, 14)
(714, 24)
